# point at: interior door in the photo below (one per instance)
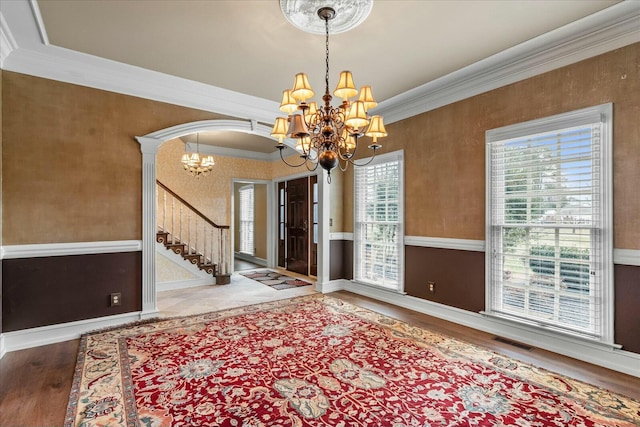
(298, 226)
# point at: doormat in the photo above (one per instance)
(274, 279)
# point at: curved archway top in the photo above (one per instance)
(151, 141)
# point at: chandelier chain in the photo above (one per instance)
(326, 75)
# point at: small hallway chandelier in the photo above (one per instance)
(325, 135)
(195, 165)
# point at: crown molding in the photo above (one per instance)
(609, 29)
(24, 50)
(7, 42)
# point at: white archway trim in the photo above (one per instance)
(149, 145)
(245, 126)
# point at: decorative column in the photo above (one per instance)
(149, 148)
(324, 235)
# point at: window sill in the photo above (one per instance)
(547, 330)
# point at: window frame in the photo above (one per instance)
(357, 237)
(604, 115)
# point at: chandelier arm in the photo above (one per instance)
(346, 165)
(289, 164)
(365, 163)
(313, 168)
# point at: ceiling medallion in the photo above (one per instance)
(303, 14)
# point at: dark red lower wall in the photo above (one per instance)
(49, 290)
(458, 276)
(341, 259)
(459, 282)
(627, 307)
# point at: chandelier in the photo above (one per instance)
(325, 135)
(195, 165)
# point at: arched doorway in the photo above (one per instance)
(149, 145)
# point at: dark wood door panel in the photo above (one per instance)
(298, 225)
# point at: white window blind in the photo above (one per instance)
(246, 219)
(378, 231)
(549, 256)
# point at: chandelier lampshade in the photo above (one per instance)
(366, 96)
(288, 104)
(346, 88)
(376, 130)
(326, 135)
(301, 88)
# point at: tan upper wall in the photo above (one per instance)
(445, 148)
(72, 168)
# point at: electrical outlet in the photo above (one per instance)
(432, 287)
(116, 298)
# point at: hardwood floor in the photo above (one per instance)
(35, 383)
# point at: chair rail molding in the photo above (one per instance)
(71, 248)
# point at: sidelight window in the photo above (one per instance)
(246, 219)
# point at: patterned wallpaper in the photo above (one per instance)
(169, 271)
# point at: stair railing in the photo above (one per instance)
(188, 226)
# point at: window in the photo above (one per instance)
(246, 219)
(378, 231)
(549, 231)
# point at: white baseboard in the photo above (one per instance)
(3, 349)
(184, 284)
(44, 335)
(331, 286)
(250, 258)
(607, 357)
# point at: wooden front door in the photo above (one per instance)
(298, 226)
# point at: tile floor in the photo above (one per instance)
(241, 291)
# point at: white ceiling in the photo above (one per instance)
(235, 57)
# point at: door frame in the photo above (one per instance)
(323, 260)
(270, 219)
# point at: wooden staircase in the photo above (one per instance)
(181, 249)
(187, 232)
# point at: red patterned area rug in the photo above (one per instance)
(274, 279)
(318, 361)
